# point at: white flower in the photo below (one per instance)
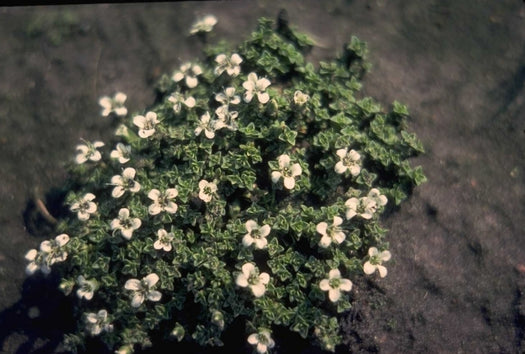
(54, 250)
(262, 341)
(335, 284)
(251, 278)
(162, 201)
(146, 124)
(350, 160)
(97, 323)
(124, 183)
(204, 24)
(122, 153)
(163, 240)
(125, 224)
(207, 190)
(331, 233)
(178, 99)
(300, 98)
(287, 172)
(230, 65)
(84, 207)
(189, 72)
(142, 289)
(377, 197)
(88, 151)
(364, 207)
(37, 261)
(114, 105)
(375, 262)
(86, 287)
(50, 252)
(257, 86)
(226, 118)
(228, 97)
(256, 234)
(209, 126)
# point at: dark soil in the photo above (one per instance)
(456, 283)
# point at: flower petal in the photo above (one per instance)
(247, 240)
(346, 285)
(251, 225)
(264, 278)
(132, 284)
(137, 300)
(263, 97)
(372, 251)
(340, 167)
(258, 290)
(154, 295)
(385, 256)
(334, 274)
(296, 170)
(241, 280)
(324, 285)
(151, 279)
(334, 294)
(369, 268)
(321, 228)
(382, 270)
(248, 268)
(289, 182)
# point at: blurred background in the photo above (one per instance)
(457, 279)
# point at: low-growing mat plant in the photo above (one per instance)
(250, 190)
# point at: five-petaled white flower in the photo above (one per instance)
(142, 289)
(88, 151)
(262, 341)
(208, 125)
(300, 98)
(256, 86)
(86, 287)
(331, 233)
(189, 73)
(125, 224)
(146, 124)
(162, 201)
(364, 207)
(122, 153)
(113, 105)
(377, 197)
(335, 284)
(349, 160)
(251, 278)
(204, 24)
(207, 190)
(256, 234)
(164, 239)
(97, 323)
(230, 65)
(376, 261)
(124, 182)
(178, 99)
(228, 97)
(286, 171)
(84, 207)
